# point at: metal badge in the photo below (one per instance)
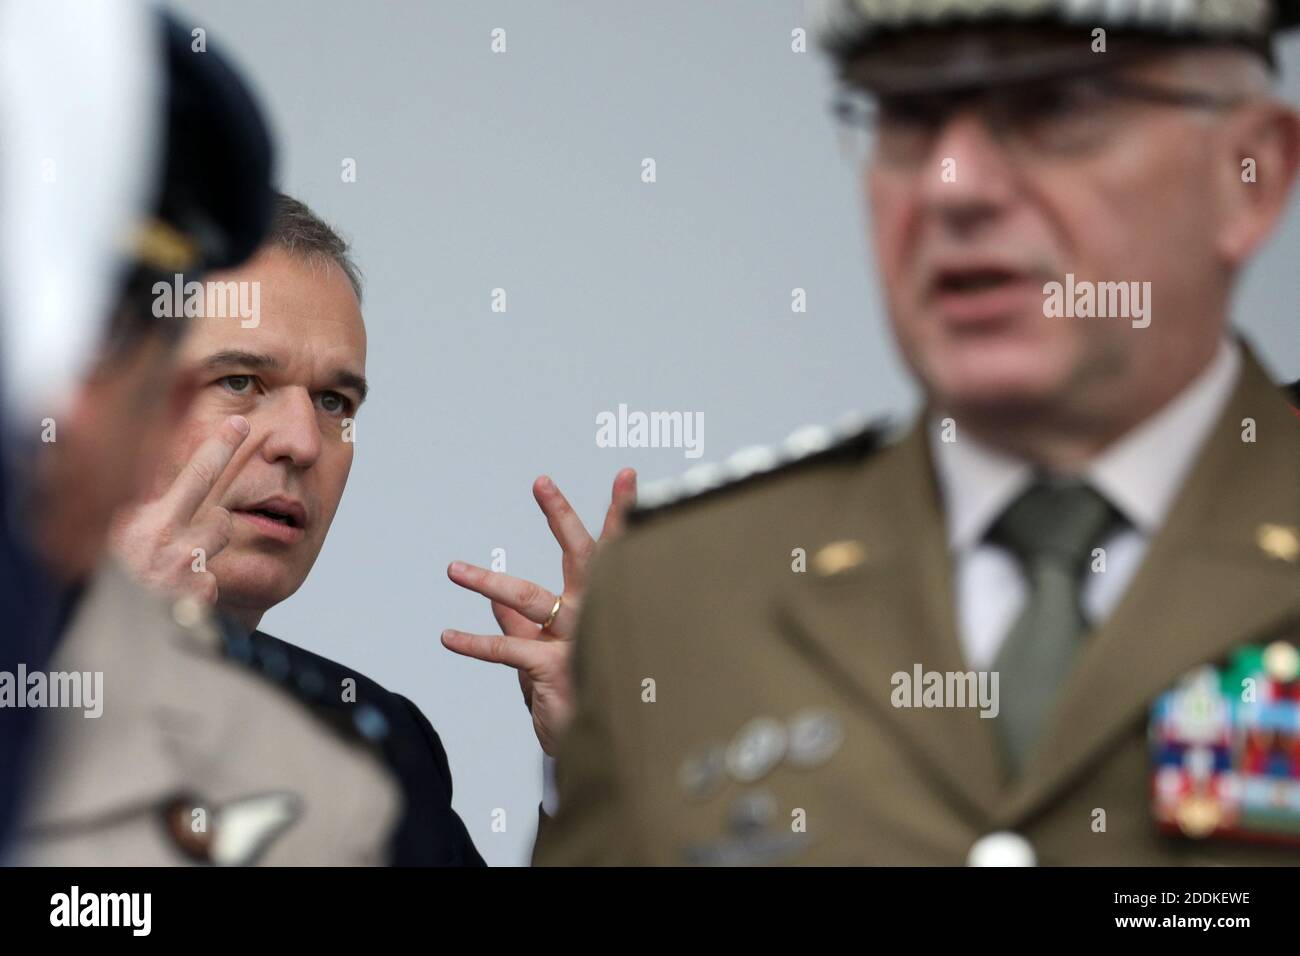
(756, 750)
(701, 774)
(814, 737)
(236, 833)
(752, 812)
(1199, 815)
(1222, 763)
(1282, 661)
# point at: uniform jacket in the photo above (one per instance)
(194, 758)
(699, 637)
(429, 832)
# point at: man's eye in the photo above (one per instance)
(334, 403)
(1059, 101)
(238, 384)
(910, 113)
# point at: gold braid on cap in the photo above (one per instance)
(160, 246)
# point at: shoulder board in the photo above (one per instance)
(810, 445)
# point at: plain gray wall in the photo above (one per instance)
(522, 171)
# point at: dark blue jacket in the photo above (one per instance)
(429, 833)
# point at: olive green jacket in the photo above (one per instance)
(699, 623)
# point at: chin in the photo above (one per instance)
(254, 581)
(995, 374)
(993, 394)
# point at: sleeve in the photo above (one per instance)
(596, 822)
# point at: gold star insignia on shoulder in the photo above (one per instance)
(838, 557)
(1279, 541)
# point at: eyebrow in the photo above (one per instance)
(352, 380)
(257, 361)
(253, 360)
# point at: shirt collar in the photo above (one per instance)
(1172, 437)
(979, 482)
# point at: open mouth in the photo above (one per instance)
(277, 516)
(982, 298)
(974, 280)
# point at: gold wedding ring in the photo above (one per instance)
(555, 612)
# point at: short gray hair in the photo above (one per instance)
(300, 232)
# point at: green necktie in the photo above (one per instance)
(1051, 529)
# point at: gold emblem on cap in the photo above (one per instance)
(1198, 816)
(1279, 541)
(160, 246)
(1282, 661)
(838, 557)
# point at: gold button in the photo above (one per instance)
(187, 612)
(1002, 849)
(838, 557)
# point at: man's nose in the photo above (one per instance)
(293, 434)
(969, 176)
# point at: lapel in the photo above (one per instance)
(1205, 586)
(865, 622)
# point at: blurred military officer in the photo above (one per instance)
(154, 748)
(1055, 619)
(57, 288)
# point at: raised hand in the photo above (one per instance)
(536, 636)
(157, 540)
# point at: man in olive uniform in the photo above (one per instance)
(155, 748)
(1054, 620)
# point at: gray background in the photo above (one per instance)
(522, 171)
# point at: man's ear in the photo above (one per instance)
(1264, 157)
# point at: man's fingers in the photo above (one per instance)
(205, 589)
(201, 472)
(513, 623)
(621, 500)
(575, 541)
(517, 652)
(530, 600)
(212, 533)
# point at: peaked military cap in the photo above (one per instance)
(960, 43)
(216, 198)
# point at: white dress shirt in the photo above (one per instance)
(1140, 475)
